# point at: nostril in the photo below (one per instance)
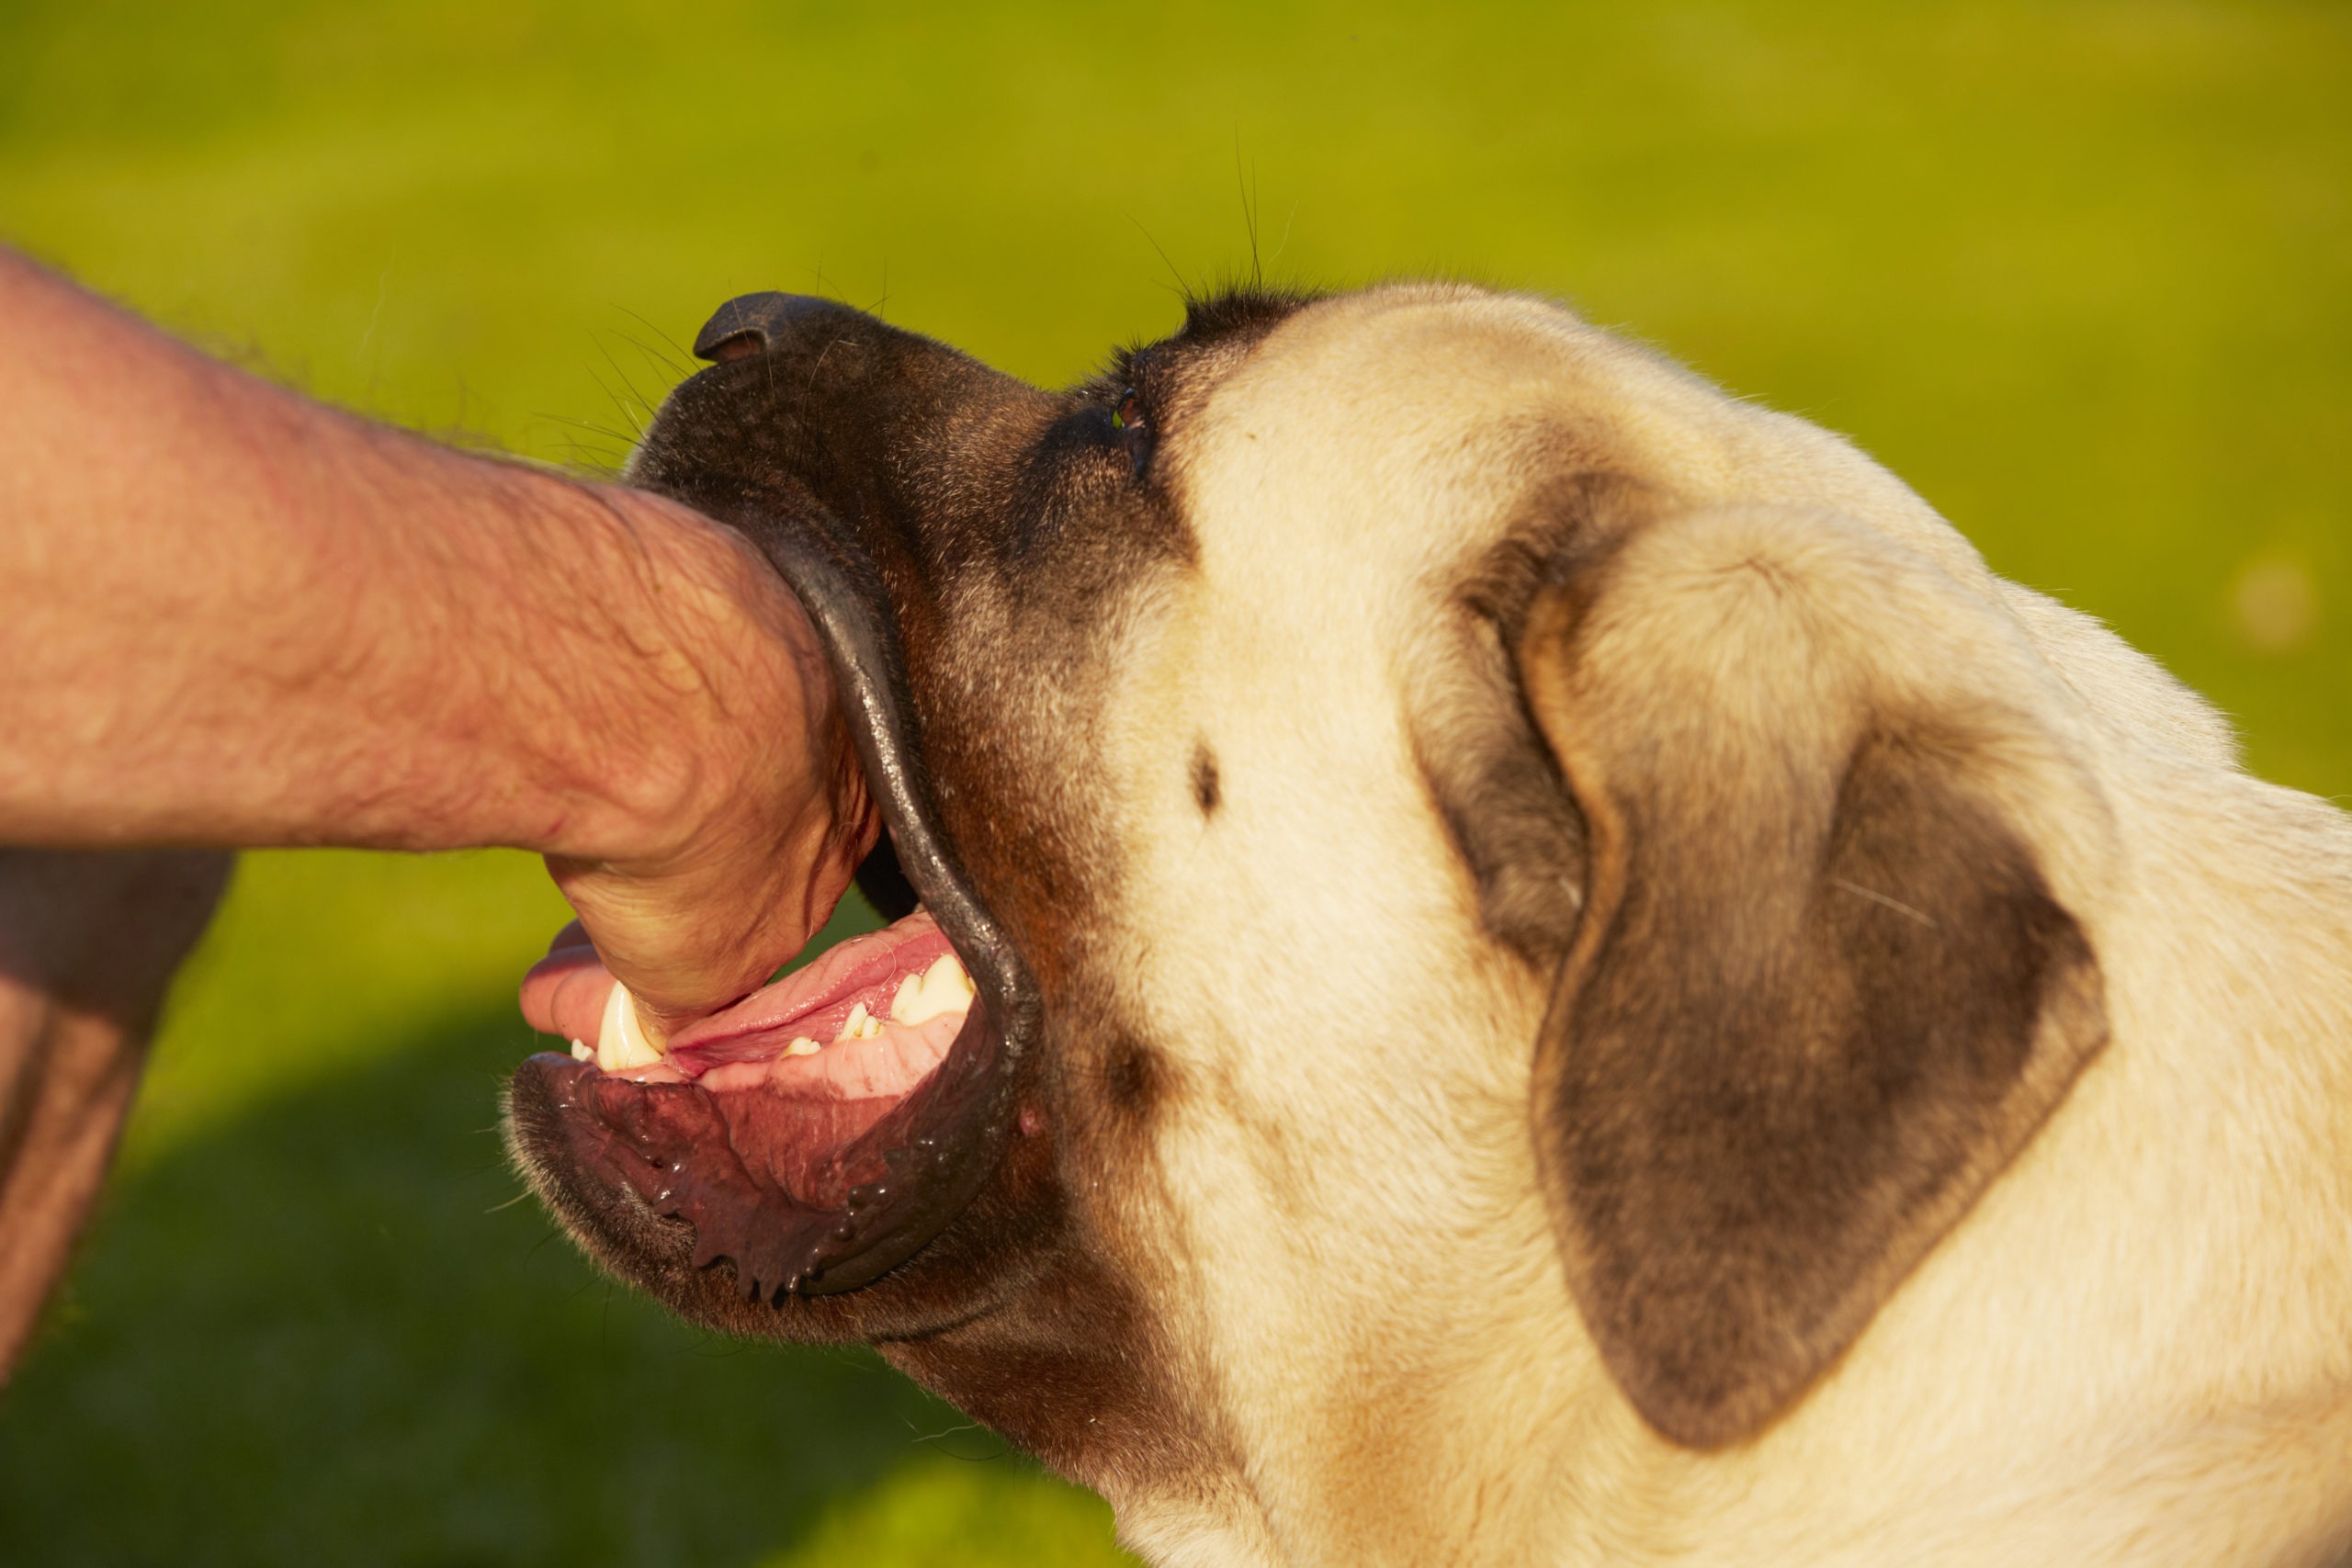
(726, 351)
(750, 324)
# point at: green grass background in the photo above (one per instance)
(2081, 270)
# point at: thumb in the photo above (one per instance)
(564, 994)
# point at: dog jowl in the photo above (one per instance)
(1495, 956)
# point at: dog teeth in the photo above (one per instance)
(903, 1005)
(944, 988)
(622, 1042)
(625, 1043)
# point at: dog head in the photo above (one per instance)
(1493, 873)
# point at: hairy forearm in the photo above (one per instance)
(238, 617)
(231, 617)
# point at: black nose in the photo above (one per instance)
(749, 322)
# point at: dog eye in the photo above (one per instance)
(1135, 429)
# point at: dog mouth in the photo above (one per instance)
(768, 1126)
(865, 1024)
(823, 1130)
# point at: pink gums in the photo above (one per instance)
(743, 1047)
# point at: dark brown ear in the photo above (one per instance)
(1821, 989)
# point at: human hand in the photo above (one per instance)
(742, 869)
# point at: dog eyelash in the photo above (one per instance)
(1133, 426)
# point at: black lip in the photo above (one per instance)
(969, 1103)
(810, 405)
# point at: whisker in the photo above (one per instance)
(1897, 905)
(1183, 290)
(644, 410)
(684, 356)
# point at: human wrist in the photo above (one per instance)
(692, 677)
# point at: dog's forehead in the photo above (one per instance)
(1254, 736)
(1374, 432)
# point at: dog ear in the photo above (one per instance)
(1821, 990)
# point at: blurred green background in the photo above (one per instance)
(2081, 272)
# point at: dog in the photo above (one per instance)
(1558, 974)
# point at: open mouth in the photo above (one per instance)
(822, 1131)
(782, 1115)
(861, 1026)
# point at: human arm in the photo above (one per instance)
(237, 617)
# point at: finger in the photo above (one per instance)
(572, 935)
(564, 994)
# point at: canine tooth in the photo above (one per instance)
(622, 1042)
(942, 989)
(947, 977)
(909, 997)
(854, 1027)
(802, 1046)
